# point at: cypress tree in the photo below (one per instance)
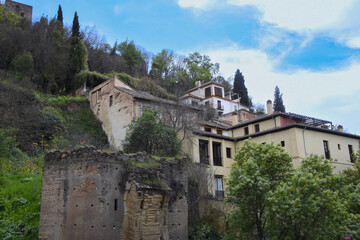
(75, 26)
(239, 88)
(60, 15)
(278, 101)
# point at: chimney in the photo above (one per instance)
(340, 128)
(198, 83)
(269, 107)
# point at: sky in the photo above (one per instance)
(309, 49)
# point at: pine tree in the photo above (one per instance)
(75, 26)
(60, 15)
(239, 88)
(278, 101)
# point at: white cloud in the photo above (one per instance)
(197, 4)
(305, 92)
(299, 15)
(337, 19)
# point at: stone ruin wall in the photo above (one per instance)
(88, 194)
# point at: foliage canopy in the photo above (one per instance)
(150, 134)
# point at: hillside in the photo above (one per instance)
(31, 124)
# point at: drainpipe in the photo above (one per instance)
(303, 133)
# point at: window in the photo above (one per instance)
(194, 103)
(257, 128)
(115, 204)
(110, 101)
(282, 143)
(235, 108)
(228, 152)
(246, 131)
(339, 146)
(207, 92)
(326, 149)
(98, 95)
(207, 103)
(207, 129)
(217, 154)
(203, 151)
(219, 105)
(219, 131)
(351, 153)
(218, 92)
(219, 188)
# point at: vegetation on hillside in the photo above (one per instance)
(31, 124)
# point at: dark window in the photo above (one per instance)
(219, 188)
(115, 205)
(207, 103)
(219, 105)
(219, 131)
(203, 151)
(228, 152)
(207, 129)
(217, 153)
(22, 14)
(257, 128)
(326, 149)
(351, 153)
(283, 143)
(111, 101)
(218, 92)
(246, 131)
(207, 92)
(339, 147)
(194, 103)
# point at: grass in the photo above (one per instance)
(20, 198)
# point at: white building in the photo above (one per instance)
(212, 94)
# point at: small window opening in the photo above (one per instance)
(115, 204)
(339, 146)
(283, 143)
(257, 128)
(111, 101)
(228, 152)
(246, 131)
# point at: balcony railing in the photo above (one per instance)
(204, 159)
(217, 161)
(219, 195)
(220, 107)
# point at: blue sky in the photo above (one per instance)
(310, 49)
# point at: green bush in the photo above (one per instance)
(23, 65)
(92, 79)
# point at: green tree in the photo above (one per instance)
(150, 134)
(78, 58)
(75, 26)
(161, 64)
(278, 101)
(23, 65)
(310, 205)
(258, 169)
(239, 88)
(200, 67)
(60, 15)
(8, 16)
(131, 55)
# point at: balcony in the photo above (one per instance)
(219, 195)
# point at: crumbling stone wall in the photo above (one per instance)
(88, 194)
